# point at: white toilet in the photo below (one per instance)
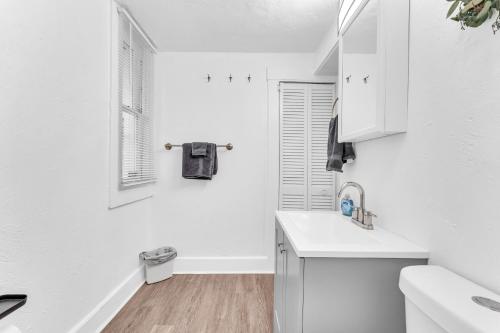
(440, 301)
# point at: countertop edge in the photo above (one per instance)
(424, 254)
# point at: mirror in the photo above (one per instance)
(361, 36)
(360, 69)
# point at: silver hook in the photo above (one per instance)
(348, 78)
(365, 79)
(249, 78)
(208, 78)
(230, 77)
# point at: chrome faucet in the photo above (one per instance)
(360, 216)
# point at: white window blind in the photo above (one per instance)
(305, 113)
(135, 99)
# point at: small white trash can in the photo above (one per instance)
(158, 264)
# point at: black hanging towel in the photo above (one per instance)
(197, 164)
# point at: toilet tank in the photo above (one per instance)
(440, 301)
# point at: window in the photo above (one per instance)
(135, 106)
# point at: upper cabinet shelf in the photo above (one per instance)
(373, 70)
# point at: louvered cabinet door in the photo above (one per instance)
(321, 193)
(305, 113)
(293, 146)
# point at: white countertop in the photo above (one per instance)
(332, 235)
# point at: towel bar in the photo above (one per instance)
(169, 146)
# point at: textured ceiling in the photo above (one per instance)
(235, 25)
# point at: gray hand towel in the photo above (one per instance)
(199, 166)
(199, 148)
(338, 153)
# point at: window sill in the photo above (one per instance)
(119, 198)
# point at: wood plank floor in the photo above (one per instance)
(235, 303)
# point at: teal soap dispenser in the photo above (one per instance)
(346, 205)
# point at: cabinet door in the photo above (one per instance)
(279, 281)
(359, 53)
(320, 181)
(305, 113)
(373, 55)
(352, 100)
(294, 289)
(293, 146)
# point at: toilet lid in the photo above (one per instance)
(447, 298)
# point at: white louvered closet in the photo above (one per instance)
(305, 113)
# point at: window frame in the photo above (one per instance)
(119, 194)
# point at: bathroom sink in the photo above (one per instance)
(332, 235)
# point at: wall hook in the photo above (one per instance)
(230, 78)
(208, 77)
(249, 78)
(365, 79)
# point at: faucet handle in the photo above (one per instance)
(368, 218)
(355, 213)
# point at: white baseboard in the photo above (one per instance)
(223, 265)
(107, 309)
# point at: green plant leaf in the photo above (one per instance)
(452, 9)
(471, 5)
(483, 14)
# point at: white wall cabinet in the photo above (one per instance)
(373, 65)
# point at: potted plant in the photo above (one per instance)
(473, 13)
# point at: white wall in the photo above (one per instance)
(328, 47)
(59, 243)
(438, 184)
(223, 225)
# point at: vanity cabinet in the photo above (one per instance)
(288, 284)
(373, 70)
(318, 295)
